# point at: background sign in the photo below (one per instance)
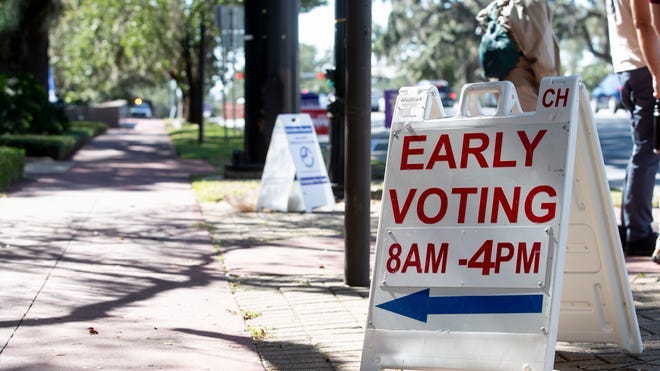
(294, 151)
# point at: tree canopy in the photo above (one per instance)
(103, 49)
(440, 39)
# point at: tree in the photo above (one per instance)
(586, 24)
(24, 27)
(432, 40)
(104, 49)
(312, 67)
(439, 39)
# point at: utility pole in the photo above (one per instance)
(358, 139)
(337, 108)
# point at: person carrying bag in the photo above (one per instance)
(528, 25)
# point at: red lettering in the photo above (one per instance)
(484, 260)
(497, 159)
(463, 193)
(510, 209)
(437, 155)
(530, 146)
(442, 207)
(400, 213)
(549, 207)
(407, 151)
(394, 262)
(483, 201)
(476, 151)
(544, 101)
(548, 102)
(504, 254)
(525, 261)
(412, 260)
(481, 259)
(433, 261)
(562, 97)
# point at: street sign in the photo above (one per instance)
(294, 152)
(473, 234)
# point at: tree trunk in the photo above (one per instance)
(27, 43)
(194, 101)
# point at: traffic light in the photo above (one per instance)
(330, 76)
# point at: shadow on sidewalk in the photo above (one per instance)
(106, 268)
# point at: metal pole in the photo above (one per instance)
(233, 66)
(200, 91)
(358, 137)
(223, 78)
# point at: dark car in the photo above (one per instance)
(140, 108)
(447, 94)
(607, 94)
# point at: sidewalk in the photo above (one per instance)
(112, 264)
(107, 266)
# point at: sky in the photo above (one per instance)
(317, 27)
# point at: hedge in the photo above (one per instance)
(92, 128)
(57, 147)
(12, 161)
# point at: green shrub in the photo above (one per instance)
(92, 128)
(57, 147)
(24, 108)
(12, 161)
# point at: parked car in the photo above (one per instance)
(447, 94)
(140, 108)
(607, 94)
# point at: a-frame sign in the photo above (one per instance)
(490, 227)
(294, 152)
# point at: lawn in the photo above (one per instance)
(216, 148)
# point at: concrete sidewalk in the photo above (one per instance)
(288, 268)
(107, 266)
(112, 264)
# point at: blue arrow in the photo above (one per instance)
(419, 305)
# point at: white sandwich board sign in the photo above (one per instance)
(294, 152)
(472, 241)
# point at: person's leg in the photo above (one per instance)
(636, 209)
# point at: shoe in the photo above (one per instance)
(656, 254)
(643, 247)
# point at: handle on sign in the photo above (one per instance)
(505, 95)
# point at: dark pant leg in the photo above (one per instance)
(636, 211)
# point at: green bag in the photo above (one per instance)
(498, 53)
